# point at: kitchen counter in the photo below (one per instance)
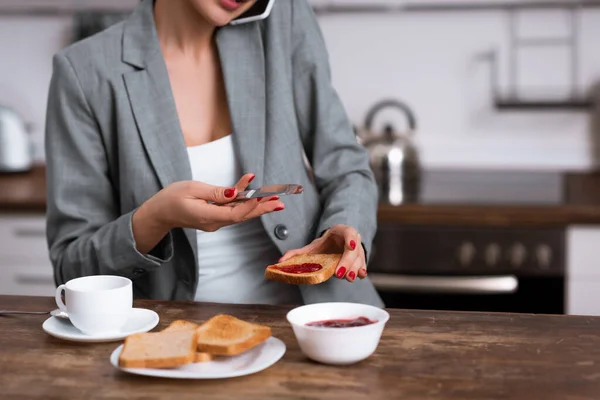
(490, 215)
(23, 192)
(422, 355)
(26, 192)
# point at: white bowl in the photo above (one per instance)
(338, 346)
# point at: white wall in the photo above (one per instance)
(429, 60)
(26, 48)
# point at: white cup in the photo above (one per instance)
(98, 304)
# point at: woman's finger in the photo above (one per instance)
(210, 193)
(244, 181)
(217, 194)
(263, 206)
(354, 241)
(313, 247)
(362, 271)
(353, 272)
(345, 265)
(233, 213)
(351, 238)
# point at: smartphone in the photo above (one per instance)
(260, 10)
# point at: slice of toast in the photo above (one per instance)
(179, 325)
(328, 262)
(229, 336)
(159, 349)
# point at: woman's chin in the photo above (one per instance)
(219, 18)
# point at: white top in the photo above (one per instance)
(232, 260)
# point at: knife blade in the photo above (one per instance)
(269, 191)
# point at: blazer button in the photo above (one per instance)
(281, 232)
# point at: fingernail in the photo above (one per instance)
(341, 272)
(258, 198)
(364, 271)
(252, 178)
(352, 244)
(229, 192)
(279, 209)
(351, 275)
(274, 198)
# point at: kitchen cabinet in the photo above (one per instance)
(583, 270)
(25, 267)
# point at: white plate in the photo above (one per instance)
(142, 320)
(259, 358)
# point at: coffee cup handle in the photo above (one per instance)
(58, 298)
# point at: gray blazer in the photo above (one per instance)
(113, 140)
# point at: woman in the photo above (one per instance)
(155, 124)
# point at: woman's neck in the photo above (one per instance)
(181, 29)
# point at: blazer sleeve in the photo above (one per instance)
(86, 233)
(340, 165)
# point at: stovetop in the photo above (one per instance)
(492, 187)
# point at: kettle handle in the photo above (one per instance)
(410, 116)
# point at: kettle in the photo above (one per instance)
(393, 156)
(16, 150)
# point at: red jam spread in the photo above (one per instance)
(342, 323)
(300, 268)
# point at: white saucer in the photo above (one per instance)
(259, 358)
(142, 320)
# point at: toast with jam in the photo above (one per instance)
(304, 269)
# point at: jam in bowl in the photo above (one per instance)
(338, 333)
(342, 323)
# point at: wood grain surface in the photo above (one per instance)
(422, 355)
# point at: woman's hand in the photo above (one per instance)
(197, 205)
(186, 205)
(339, 239)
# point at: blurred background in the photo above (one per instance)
(479, 116)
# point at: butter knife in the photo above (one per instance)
(270, 191)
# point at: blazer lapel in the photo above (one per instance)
(242, 60)
(151, 98)
(152, 101)
(156, 117)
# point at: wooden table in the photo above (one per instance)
(422, 355)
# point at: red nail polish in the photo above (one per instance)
(279, 209)
(258, 198)
(364, 271)
(351, 275)
(352, 244)
(274, 198)
(341, 272)
(229, 192)
(252, 178)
